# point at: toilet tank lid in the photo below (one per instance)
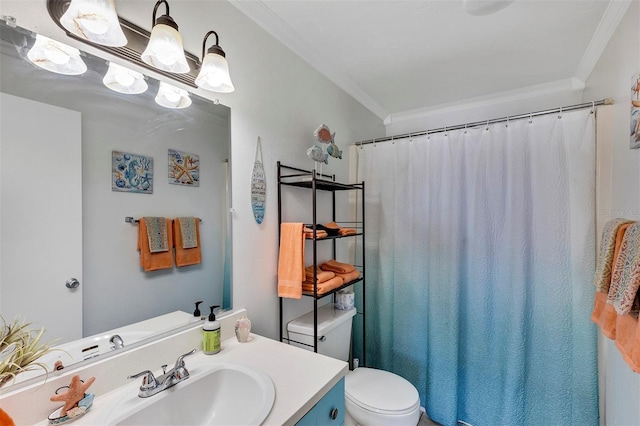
(380, 391)
(328, 318)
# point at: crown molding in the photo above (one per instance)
(608, 24)
(569, 85)
(261, 14)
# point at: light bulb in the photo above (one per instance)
(172, 96)
(56, 55)
(124, 78)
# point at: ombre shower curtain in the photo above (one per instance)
(480, 254)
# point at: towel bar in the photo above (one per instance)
(131, 220)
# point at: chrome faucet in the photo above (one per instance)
(117, 342)
(152, 385)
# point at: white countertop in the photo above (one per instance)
(301, 378)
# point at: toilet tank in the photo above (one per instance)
(334, 331)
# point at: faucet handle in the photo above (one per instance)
(180, 369)
(180, 360)
(148, 381)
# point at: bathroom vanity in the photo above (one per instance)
(304, 382)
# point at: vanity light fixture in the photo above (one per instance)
(165, 51)
(172, 97)
(214, 73)
(56, 57)
(124, 80)
(95, 21)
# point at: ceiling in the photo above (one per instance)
(401, 57)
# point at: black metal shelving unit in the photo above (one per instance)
(296, 177)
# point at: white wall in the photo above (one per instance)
(612, 78)
(282, 100)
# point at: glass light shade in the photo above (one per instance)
(124, 80)
(95, 21)
(56, 57)
(214, 74)
(165, 50)
(172, 97)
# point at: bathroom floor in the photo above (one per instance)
(426, 421)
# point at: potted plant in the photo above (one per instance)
(20, 348)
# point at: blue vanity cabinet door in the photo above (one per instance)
(332, 405)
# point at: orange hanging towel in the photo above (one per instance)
(604, 314)
(187, 254)
(154, 261)
(291, 271)
(5, 419)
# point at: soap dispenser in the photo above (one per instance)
(197, 316)
(211, 334)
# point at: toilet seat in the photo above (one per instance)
(381, 392)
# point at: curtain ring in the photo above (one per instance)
(410, 138)
(465, 128)
(507, 125)
(593, 107)
(445, 130)
(530, 117)
(392, 141)
(374, 142)
(487, 128)
(560, 115)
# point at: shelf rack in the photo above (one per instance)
(310, 179)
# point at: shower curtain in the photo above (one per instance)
(480, 253)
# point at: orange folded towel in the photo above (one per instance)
(321, 275)
(154, 261)
(349, 276)
(341, 230)
(337, 267)
(324, 287)
(308, 233)
(187, 256)
(291, 271)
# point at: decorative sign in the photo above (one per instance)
(635, 110)
(131, 172)
(258, 186)
(184, 168)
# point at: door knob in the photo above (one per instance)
(72, 283)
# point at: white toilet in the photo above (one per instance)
(372, 397)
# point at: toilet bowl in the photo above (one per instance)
(377, 397)
(372, 397)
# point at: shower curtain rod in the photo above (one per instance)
(593, 104)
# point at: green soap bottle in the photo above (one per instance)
(211, 334)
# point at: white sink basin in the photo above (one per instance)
(217, 394)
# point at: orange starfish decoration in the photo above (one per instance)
(74, 394)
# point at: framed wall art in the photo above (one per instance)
(131, 172)
(184, 168)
